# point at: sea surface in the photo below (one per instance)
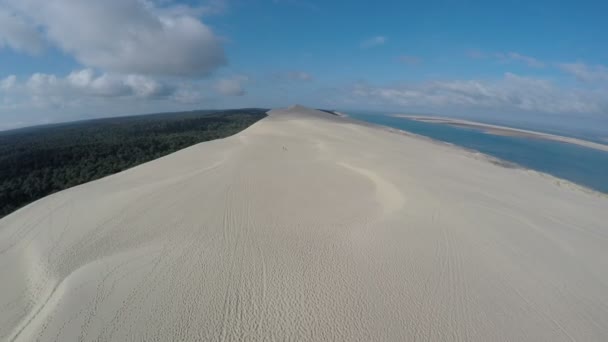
(581, 165)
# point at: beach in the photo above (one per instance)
(309, 226)
(507, 131)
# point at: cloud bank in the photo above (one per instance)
(123, 36)
(584, 72)
(231, 86)
(17, 34)
(511, 93)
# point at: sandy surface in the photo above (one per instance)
(508, 131)
(307, 226)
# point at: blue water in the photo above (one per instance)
(581, 165)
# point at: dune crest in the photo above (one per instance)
(309, 226)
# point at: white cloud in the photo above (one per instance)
(511, 93)
(125, 36)
(17, 34)
(516, 57)
(506, 57)
(210, 7)
(103, 85)
(86, 83)
(584, 72)
(86, 93)
(231, 86)
(373, 42)
(188, 94)
(8, 83)
(146, 87)
(42, 83)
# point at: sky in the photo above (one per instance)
(535, 60)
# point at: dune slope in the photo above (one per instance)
(307, 226)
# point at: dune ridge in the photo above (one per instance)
(309, 226)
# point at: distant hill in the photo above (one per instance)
(38, 161)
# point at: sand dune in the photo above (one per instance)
(308, 226)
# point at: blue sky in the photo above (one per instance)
(66, 60)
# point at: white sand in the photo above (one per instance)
(502, 130)
(309, 227)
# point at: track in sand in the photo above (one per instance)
(309, 226)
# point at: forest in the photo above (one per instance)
(38, 161)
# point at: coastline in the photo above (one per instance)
(475, 154)
(306, 215)
(503, 130)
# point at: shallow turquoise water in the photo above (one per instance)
(577, 164)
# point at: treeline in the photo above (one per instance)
(38, 161)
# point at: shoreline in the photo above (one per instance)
(303, 215)
(504, 131)
(475, 154)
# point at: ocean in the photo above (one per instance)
(580, 165)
